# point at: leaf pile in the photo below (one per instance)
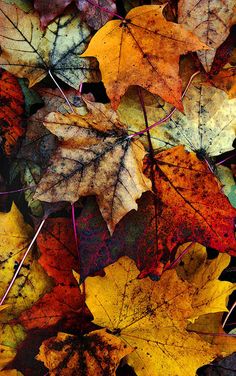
(117, 148)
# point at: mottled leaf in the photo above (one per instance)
(28, 52)
(95, 157)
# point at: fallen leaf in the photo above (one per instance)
(210, 329)
(210, 20)
(97, 12)
(207, 127)
(225, 176)
(211, 294)
(226, 80)
(188, 206)
(32, 282)
(150, 317)
(223, 367)
(58, 257)
(12, 111)
(11, 372)
(97, 353)
(39, 144)
(11, 336)
(93, 11)
(143, 42)
(94, 157)
(28, 52)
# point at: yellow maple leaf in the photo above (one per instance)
(32, 282)
(95, 156)
(211, 294)
(10, 337)
(150, 316)
(97, 353)
(144, 50)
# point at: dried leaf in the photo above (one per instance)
(29, 52)
(32, 281)
(58, 257)
(94, 157)
(149, 316)
(11, 336)
(97, 353)
(211, 294)
(143, 42)
(207, 127)
(210, 20)
(12, 111)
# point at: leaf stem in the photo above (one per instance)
(22, 261)
(167, 117)
(61, 91)
(228, 314)
(18, 190)
(179, 258)
(226, 159)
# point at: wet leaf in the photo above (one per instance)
(97, 353)
(143, 42)
(29, 52)
(94, 157)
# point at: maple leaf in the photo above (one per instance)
(12, 111)
(28, 52)
(11, 336)
(32, 282)
(226, 177)
(188, 206)
(93, 10)
(58, 257)
(225, 80)
(97, 353)
(207, 127)
(210, 20)
(149, 316)
(95, 157)
(203, 273)
(143, 42)
(214, 334)
(11, 372)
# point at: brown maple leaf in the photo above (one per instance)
(95, 157)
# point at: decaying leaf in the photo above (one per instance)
(58, 257)
(188, 206)
(211, 294)
(10, 337)
(12, 111)
(32, 281)
(226, 80)
(143, 42)
(95, 157)
(97, 353)
(210, 329)
(93, 11)
(149, 316)
(26, 51)
(225, 176)
(207, 126)
(210, 20)
(11, 372)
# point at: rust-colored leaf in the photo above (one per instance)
(58, 257)
(12, 111)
